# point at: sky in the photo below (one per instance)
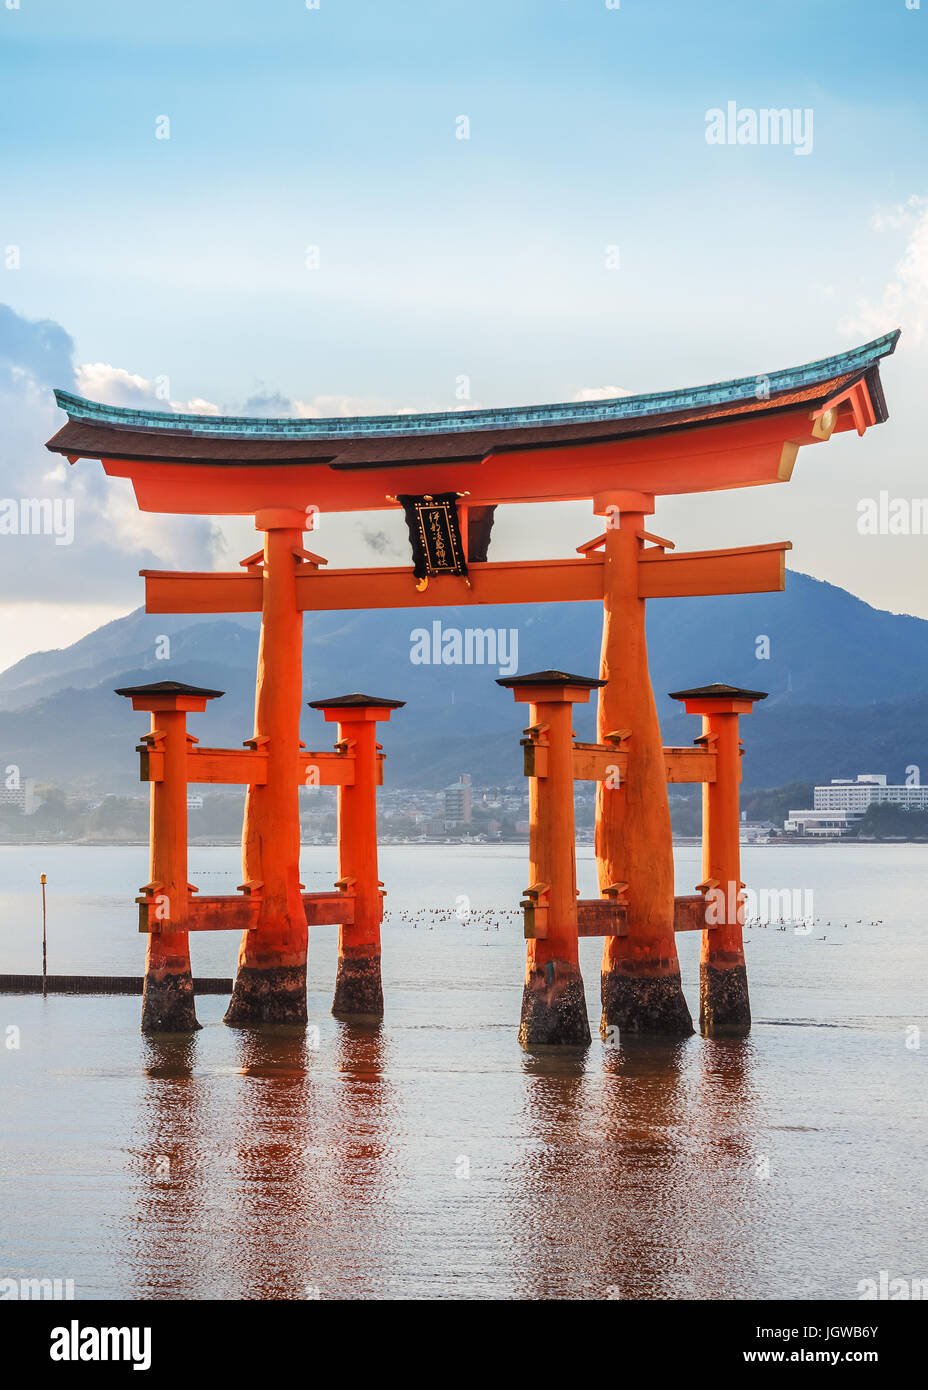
(269, 208)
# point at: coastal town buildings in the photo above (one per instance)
(842, 802)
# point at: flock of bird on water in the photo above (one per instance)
(487, 918)
(430, 917)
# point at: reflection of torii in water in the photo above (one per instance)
(620, 453)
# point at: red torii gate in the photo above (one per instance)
(622, 454)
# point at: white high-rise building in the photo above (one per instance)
(22, 796)
(843, 801)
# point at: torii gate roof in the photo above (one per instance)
(728, 434)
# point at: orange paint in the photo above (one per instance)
(746, 569)
(721, 847)
(358, 986)
(168, 952)
(724, 1006)
(357, 836)
(270, 985)
(641, 987)
(168, 1001)
(729, 453)
(553, 1001)
(551, 852)
(750, 569)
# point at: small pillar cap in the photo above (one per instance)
(356, 701)
(161, 688)
(165, 696)
(549, 677)
(718, 692)
(550, 688)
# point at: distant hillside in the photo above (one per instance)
(848, 685)
(130, 641)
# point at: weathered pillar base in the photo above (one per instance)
(652, 1004)
(273, 994)
(168, 1004)
(554, 1008)
(358, 988)
(724, 1005)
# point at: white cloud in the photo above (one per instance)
(600, 393)
(904, 301)
(898, 218)
(108, 540)
(330, 407)
(100, 381)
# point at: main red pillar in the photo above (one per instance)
(641, 988)
(724, 1004)
(168, 1004)
(270, 985)
(358, 985)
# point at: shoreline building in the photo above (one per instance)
(459, 802)
(844, 801)
(21, 798)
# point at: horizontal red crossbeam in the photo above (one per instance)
(757, 569)
(690, 764)
(513, 581)
(329, 909)
(181, 591)
(745, 570)
(595, 917)
(230, 912)
(600, 917)
(248, 766)
(522, 581)
(595, 762)
(689, 913)
(226, 766)
(609, 917)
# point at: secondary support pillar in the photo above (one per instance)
(724, 1005)
(641, 988)
(358, 985)
(270, 984)
(553, 1000)
(168, 1004)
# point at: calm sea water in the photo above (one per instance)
(431, 1157)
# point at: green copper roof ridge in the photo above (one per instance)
(452, 421)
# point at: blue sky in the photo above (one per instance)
(439, 257)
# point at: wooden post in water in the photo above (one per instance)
(358, 985)
(44, 944)
(167, 1003)
(553, 1001)
(724, 1005)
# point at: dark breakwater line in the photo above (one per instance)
(97, 984)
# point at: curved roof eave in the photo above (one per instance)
(856, 360)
